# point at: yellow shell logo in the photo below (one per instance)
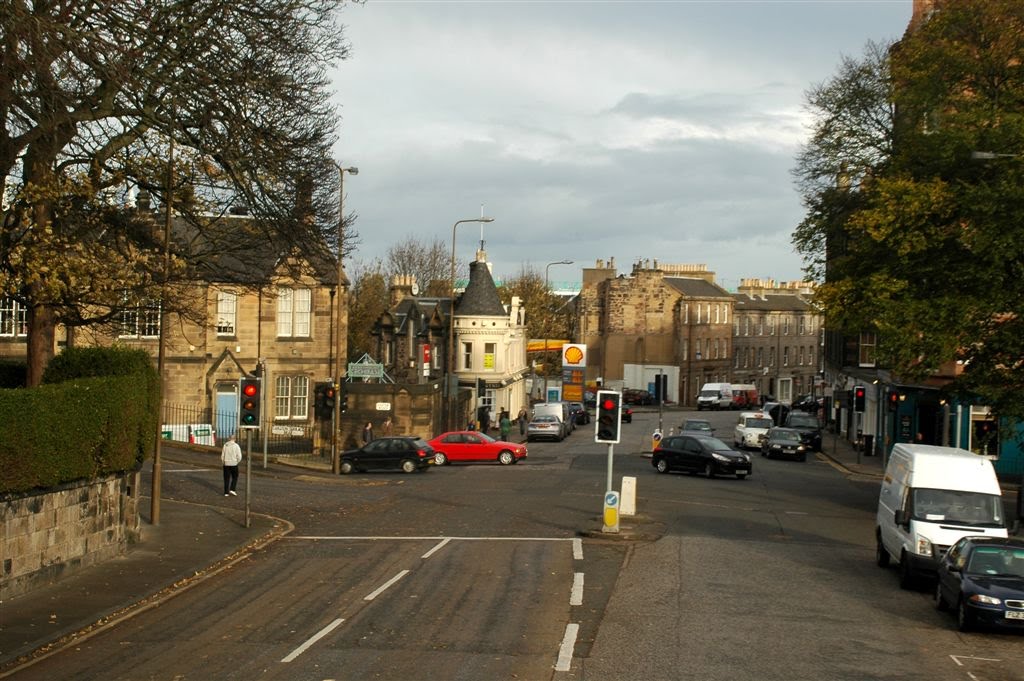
(573, 355)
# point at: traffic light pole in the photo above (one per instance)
(248, 474)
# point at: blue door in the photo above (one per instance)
(226, 411)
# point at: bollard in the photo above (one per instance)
(655, 439)
(628, 504)
(611, 511)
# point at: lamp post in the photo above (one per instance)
(450, 365)
(340, 340)
(547, 370)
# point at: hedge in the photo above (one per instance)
(80, 428)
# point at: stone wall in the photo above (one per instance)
(47, 535)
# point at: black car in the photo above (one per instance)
(636, 397)
(983, 579)
(627, 414)
(807, 424)
(579, 413)
(408, 454)
(784, 442)
(697, 453)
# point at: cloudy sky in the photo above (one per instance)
(590, 129)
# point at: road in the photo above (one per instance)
(490, 572)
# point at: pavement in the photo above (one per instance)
(192, 542)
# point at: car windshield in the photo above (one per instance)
(696, 425)
(786, 436)
(709, 393)
(714, 444)
(485, 437)
(544, 419)
(996, 560)
(957, 507)
(802, 421)
(758, 423)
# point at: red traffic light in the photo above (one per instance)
(250, 389)
(608, 404)
(860, 392)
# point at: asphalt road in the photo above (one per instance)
(491, 572)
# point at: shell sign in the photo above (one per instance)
(574, 355)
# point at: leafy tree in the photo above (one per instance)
(547, 314)
(98, 98)
(927, 236)
(368, 300)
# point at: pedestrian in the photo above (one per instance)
(387, 427)
(522, 418)
(368, 433)
(230, 457)
(505, 424)
(472, 424)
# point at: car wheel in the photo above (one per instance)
(940, 602)
(440, 459)
(506, 457)
(803, 457)
(408, 466)
(347, 467)
(907, 579)
(881, 555)
(964, 619)
(661, 465)
(709, 471)
(740, 476)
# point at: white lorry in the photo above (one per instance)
(715, 396)
(931, 497)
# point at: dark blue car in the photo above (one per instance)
(982, 578)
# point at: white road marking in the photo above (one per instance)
(565, 650)
(385, 586)
(576, 596)
(190, 470)
(957, 658)
(577, 549)
(313, 639)
(434, 538)
(437, 547)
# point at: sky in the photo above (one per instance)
(589, 130)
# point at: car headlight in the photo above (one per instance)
(924, 547)
(718, 457)
(985, 600)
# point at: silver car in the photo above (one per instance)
(545, 427)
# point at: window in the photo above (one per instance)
(698, 313)
(800, 360)
(760, 326)
(771, 326)
(760, 357)
(867, 349)
(785, 326)
(140, 321)
(292, 398)
(293, 312)
(686, 313)
(467, 356)
(735, 327)
(746, 326)
(771, 357)
(785, 356)
(226, 304)
(489, 353)
(13, 318)
(802, 328)
(810, 355)
(718, 312)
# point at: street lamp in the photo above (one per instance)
(547, 369)
(339, 341)
(451, 329)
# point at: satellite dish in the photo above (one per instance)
(415, 289)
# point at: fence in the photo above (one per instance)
(196, 425)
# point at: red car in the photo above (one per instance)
(470, 445)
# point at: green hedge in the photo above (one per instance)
(80, 428)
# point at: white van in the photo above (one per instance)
(715, 396)
(560, 410)
(931, 497)
(750, 428)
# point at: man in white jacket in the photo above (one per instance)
(230, 457)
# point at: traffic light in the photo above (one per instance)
(250, 400)
(893, 398)
(609, 416)
(323, 401)
(343, 405)
(859, 397)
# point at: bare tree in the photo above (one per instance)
(94, 98)
(429, 263)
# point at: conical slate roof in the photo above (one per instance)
(481, 295)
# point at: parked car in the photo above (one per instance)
(637, 397)
(405, 453)
(807, 424)
(545, 427)
(627, 414)
(698, 453)
(983, 579)
(471, 445)
(697, 425)
(579, 413)
(784, 442)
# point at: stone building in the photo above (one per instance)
(488, 343)
(776, 339)
(661, 319)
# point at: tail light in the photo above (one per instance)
(421, 453)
